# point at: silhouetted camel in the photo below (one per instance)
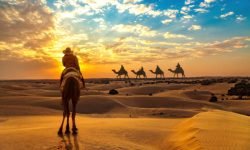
(178, 70)
(70, 91)
(121, 72)
(157, 72)
(139, 73)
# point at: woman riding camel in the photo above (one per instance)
(70, 60)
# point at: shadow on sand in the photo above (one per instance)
(66, 142)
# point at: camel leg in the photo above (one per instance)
(67, 131)
(128, 78)
(61, 127)
(74, 129)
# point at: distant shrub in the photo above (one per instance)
(213, 98)
(207, 82)
(221, 80)
(106, 82)
(113, 92)
(233, 81)
(240, 89)
(132, 84)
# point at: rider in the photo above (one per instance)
(70, 60)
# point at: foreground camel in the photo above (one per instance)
(157, 72)
(121, 72)
(178, 70)
(70, 91)
(139, 73)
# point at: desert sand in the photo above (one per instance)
(145, 115)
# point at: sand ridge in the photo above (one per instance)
(212, 130)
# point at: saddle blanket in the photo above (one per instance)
(73, 74)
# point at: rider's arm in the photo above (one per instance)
(77, 64)
(63, 61)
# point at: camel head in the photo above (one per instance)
(171, 70)
(114, 70)
(134, 71)
(152, 71)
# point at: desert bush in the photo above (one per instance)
(213, 98)
(232, 81)
(207, 82)
(113, 92)
(240, 89)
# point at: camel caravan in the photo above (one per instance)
(159, 73)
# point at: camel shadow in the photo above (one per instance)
(66, 142)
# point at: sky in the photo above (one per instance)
(207, 37)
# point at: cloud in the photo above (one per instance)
(240, 18)
(171, 13)
(200, 10)
(23, 21)
(131, 1)
(206, 3)
(186, 18)
(169, 35)
(136, 29)
(166, 21)
(101, 22)
(185, 10)
(138, 9)
(130, 49)
(188, 2)
(97, 4)
(222, 46)
(194, 27)
(226, 14)
(77, 20)
(26, 28)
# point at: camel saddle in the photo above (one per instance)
(71, 72)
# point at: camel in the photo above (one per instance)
(70, 91)
(157, 72)
(178, 70)
(139, 73)
(121, 72)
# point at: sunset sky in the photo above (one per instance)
(207, 37)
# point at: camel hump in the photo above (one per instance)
(70, 69)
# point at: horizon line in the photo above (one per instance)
(192, 77)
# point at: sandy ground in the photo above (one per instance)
(142, 116)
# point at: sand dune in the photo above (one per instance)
(142, 116)
(213, 130)
(94, 133)
(152, 89)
